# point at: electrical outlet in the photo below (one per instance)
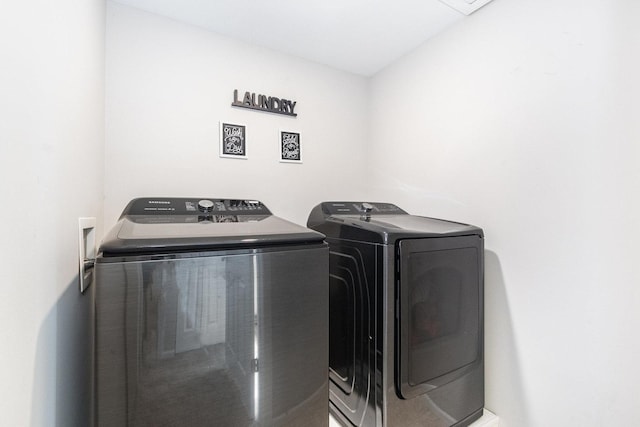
(86, 251)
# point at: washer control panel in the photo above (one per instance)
(194, 206)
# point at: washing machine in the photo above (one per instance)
(210, 312)
(406, 316)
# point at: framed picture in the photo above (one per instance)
(233, 140)
(290, 148)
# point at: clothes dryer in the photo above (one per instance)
(210, 312)
(406, 316)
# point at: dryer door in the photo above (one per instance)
(439, 311)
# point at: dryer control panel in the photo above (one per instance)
(360, 208)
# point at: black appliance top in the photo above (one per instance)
(162, 224)
(380, 223)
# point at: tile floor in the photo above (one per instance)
(488, 419)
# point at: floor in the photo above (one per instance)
(488, 419)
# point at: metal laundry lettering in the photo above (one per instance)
(260, 102)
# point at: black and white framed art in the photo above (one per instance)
(290, 147)
(233, 140)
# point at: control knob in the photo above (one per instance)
(366, 207)
(205, 205)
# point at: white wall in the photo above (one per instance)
(523, 119)
(520, 120)
(169, 84)
(51, 173)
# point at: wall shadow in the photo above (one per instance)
(504, 389)
(63, 377)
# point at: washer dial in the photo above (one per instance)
(205, 205)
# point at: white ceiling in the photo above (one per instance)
(359, 36)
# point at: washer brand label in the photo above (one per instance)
(159, 202)
(160, 208)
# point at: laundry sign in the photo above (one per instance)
(260, 102)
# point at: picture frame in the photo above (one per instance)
(290, 147)
(233, 140)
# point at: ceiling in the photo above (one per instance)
(358, 36)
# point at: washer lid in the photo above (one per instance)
(161, 225)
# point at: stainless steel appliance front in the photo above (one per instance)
(224, 338)
(406, 317)
(210, 312)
